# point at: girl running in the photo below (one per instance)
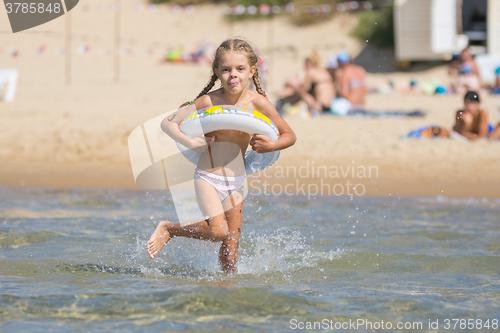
(218, 181)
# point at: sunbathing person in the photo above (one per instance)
(316, 88)
(471, 122)
(465, 74)
(352, 81)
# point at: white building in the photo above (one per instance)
(436, 29)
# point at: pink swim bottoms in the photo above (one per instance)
(224, 186)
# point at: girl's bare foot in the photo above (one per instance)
(158, 239)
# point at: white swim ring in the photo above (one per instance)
(220, 117)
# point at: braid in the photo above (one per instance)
(256, 82)
(209, 86)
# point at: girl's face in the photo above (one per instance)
(234, 71)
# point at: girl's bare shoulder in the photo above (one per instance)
(262, 104)
(204, 101)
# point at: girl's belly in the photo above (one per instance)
(227, 151)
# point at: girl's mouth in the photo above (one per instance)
(233, 83)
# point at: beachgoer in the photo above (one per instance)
(221, 201)
(465, 74)
(315, 87)
(318, 89)
(471, 122)
(352, 81)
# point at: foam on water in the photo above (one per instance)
(283, 251)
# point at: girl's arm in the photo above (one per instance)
(261, 143)
(170, 125)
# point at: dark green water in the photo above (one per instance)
(75, 260)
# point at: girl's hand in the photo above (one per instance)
(200, 144)
(261, 143)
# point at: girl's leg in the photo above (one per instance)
(228, 254)
(214, 228)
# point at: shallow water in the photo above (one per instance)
(75, 260)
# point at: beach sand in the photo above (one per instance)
(75, 135)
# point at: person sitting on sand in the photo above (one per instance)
(352, 81)
(465, 74)
(316, 89)
(471, 122)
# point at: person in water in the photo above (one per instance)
(316, 88)
(218, 184)
(464, 74)
(351, 81)
(472, 121)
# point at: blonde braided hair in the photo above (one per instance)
(238, 45)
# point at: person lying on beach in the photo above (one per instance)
(218, 184)
(464, 74)
(352, 81)
(316, 89)
(471, 122)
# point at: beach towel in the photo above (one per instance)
(435, 131)
(431, 131)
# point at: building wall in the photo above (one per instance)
(493, 18)
(412, 24)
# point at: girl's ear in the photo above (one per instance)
(216, 72)
(253, 70)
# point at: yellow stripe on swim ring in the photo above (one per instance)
(213, 109)
(262, 117)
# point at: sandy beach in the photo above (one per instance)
(75, 135)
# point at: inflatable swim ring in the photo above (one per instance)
(232, 117)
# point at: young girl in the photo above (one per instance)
(218, 186)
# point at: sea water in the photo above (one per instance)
(76, 260)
